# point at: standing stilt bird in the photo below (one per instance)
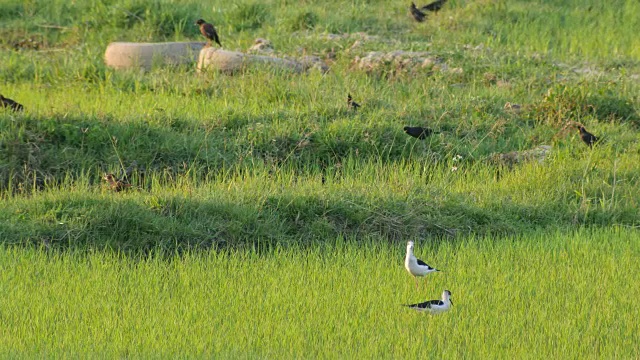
(414, 266)
(416, 13)
(435, 306)
(208, 31)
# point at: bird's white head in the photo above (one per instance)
(410, 246)
(446, 296)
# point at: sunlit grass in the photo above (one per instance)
(567, 295)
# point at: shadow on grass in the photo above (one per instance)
(38, 152)
(563, 102)
(138, 224)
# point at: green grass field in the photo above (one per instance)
(539, 296)
(230, 244)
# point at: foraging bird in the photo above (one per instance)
(414, 266)
(6, 102)
(115, 184)
(208, 31)
(434, 6)
(587, 137)
(352, 104)
(434, 306)
(416, 13)
(418, 132)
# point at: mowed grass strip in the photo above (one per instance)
(534, 296)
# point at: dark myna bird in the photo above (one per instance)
(434, 6)
(418, 132)
(352, 104)
(587, 137)
(208, 31)
(5, 102)
(115, 184)
(416, 13)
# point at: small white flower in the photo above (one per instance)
(455, 168)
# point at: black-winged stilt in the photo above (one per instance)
(415, 266)
(434, 306)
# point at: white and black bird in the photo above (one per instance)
(435, 306)
(415, 266)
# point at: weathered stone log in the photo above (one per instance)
(124, 55)
(214, 59)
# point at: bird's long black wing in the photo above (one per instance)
(426, 304)
(420, 262)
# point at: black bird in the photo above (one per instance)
(352, 104)
(416, 13)
(587, 137)
(208, 31)
(6, 102)
(434, 6)
(418, 132)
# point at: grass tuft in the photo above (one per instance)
(249, 16)
(305, 20)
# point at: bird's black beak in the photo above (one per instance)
(451, 301)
